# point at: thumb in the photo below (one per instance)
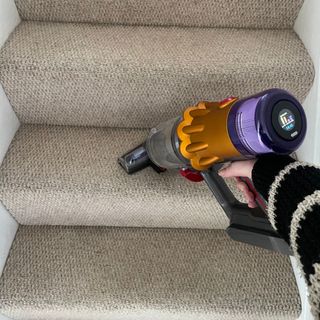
(238, 169)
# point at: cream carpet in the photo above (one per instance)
(120, 273)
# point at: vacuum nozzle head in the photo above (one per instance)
(135, 160)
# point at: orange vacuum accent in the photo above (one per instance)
(204, 136)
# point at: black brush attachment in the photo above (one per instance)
(137, 159)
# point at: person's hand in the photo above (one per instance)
(241, 169)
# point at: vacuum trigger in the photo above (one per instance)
(194, 176)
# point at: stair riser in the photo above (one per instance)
(67, 74)
(133, 101)
(201, 13)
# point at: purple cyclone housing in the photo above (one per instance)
(273, 121)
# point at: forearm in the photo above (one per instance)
(292, 190)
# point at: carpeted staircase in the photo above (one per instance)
(87, 78)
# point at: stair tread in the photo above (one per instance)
(70, 176)
(209, 13)
(126, 76)
(128, 273)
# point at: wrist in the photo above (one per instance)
(265, 170)
(249, 164)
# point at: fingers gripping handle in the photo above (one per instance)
(257, 197)
(249, 225)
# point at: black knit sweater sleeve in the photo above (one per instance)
(292, 190)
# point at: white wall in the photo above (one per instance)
(307, 27)
(9, 19)
(9, 124)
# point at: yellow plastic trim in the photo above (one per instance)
(204, 136)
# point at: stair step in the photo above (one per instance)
(127, 273)
(124, 76)
(203, 13)
(70, 176)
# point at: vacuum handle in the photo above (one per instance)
(249, 225)
(221, 191)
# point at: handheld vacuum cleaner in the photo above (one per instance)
(212, 133)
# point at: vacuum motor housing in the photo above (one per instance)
(272, 121)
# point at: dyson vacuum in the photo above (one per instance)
(212, 133)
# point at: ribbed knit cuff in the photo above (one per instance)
(265, 170)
